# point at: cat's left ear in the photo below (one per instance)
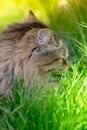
(31, 17)
(44, 36)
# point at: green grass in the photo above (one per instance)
(47, 108)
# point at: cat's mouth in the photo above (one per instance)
(55, 64)
(65, 62)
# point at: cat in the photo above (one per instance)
(29, 49)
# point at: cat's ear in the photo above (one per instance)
(44, 36)
(31, 17)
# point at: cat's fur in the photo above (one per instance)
(29, 50)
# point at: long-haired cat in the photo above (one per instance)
(30, 50)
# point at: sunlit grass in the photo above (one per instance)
(47, 108)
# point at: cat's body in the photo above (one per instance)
(29, 50)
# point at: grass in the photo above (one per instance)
(47, 108)
(65, 108)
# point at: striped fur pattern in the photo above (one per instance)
(30, 50)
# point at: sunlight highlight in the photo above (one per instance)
(63, 3)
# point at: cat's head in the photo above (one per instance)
(51, 53)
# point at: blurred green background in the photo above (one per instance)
(66, 17)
